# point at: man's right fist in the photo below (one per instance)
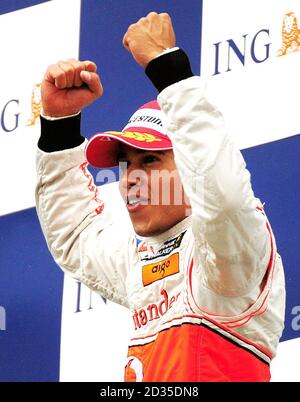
(69, 86)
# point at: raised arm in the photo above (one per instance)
(233, 243)
(81, 235)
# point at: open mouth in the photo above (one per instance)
(135, 203)
(136, 200)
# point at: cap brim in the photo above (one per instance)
(102, 149)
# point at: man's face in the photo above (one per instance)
(151, 189)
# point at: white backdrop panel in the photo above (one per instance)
(50, 32)
(258, 95)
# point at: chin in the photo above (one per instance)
(155, 224)
(152, 230)
(147, 232)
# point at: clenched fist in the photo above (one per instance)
(149, 37)
(69, 86)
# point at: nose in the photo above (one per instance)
(128, 179)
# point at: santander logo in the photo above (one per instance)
(154, 311)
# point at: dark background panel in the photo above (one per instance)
(275, 171)
(126, 87)
(7, 6)
(31, 293)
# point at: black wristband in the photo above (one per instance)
(168, 69)
(57, 135)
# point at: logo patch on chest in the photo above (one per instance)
(167, 248)
(160, 269)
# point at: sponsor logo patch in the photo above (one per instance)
(142, 137)
(160, 269)
(166, 249)
(154, 311)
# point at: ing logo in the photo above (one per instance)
(290, 35)
(36, 105)
(257, 47)
(10, 113)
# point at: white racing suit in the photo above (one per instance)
(207, 296)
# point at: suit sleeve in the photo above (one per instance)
(79, 229)
(232, 242)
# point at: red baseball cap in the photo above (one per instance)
(144, 130)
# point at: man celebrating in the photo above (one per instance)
(205, 285)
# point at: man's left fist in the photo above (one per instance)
(149, 37)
